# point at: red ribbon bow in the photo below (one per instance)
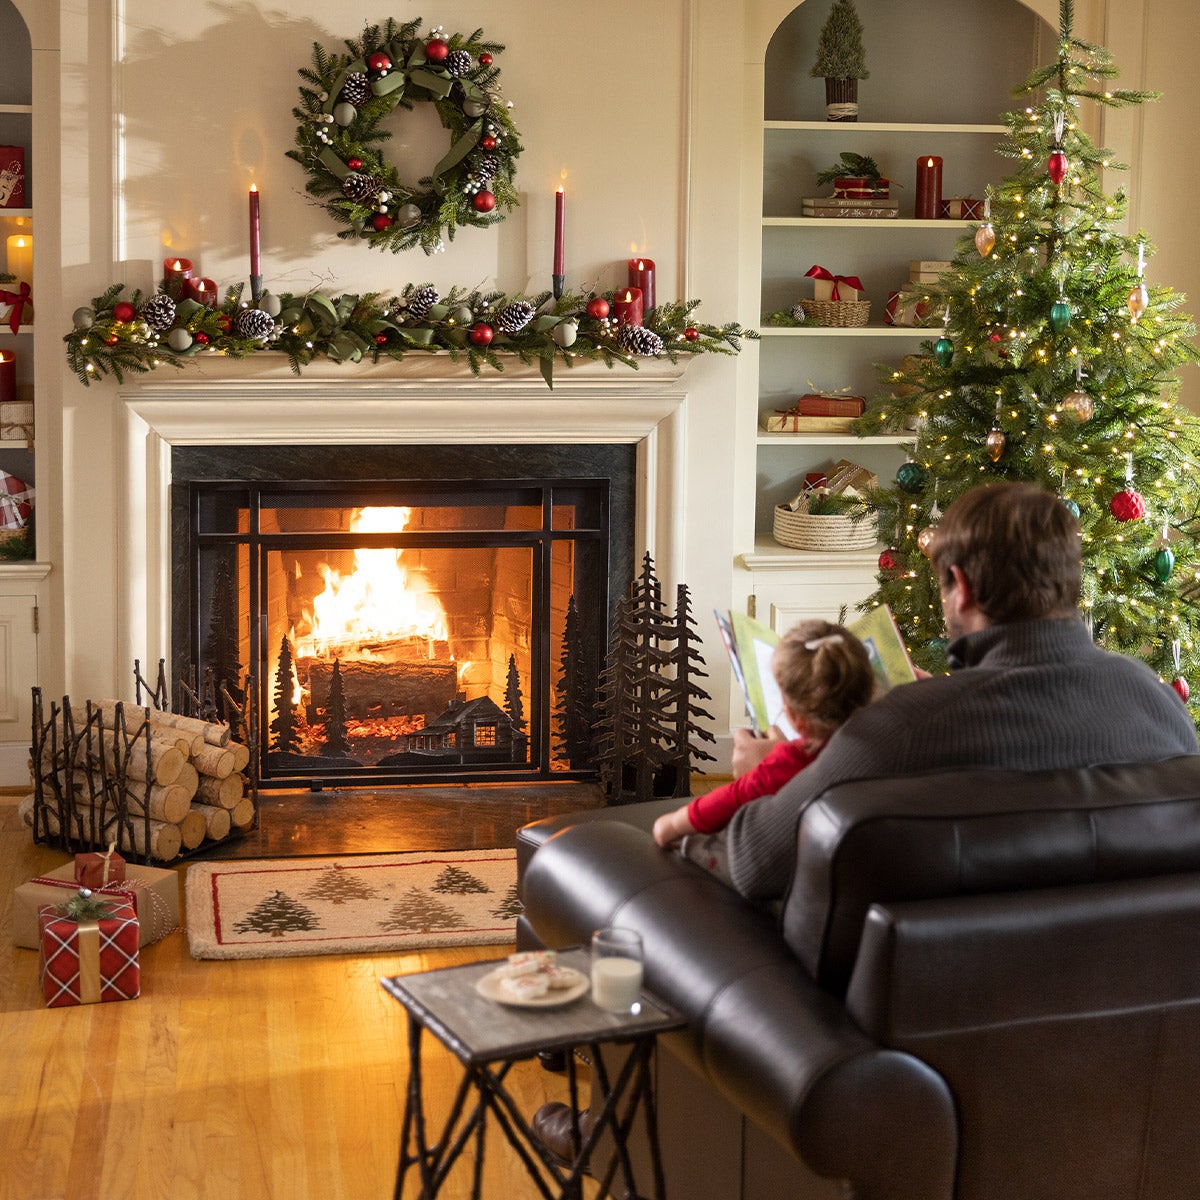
(18, 300)
(850, 280)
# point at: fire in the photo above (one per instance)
(380, 603)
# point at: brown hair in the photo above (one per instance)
(824, 672)
(1018, 547)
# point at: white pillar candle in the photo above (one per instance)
(20, 257)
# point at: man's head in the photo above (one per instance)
(1006, 552)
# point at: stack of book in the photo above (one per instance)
(845, 207)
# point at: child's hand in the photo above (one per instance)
(749, 748)
(672, 827)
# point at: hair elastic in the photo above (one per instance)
(829, 639)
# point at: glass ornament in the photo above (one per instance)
(1164, 564)
(1138, 300)
(891, 562)
(1071, 506)
(1079, 405)
(943, 351)
(1127, 505)
(985, 239)
(1060, 315)
(925, 539)
(996, 442)
(911, 477)
(1056, 166)
(1181, 687)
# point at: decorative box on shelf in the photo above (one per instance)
(16, 420)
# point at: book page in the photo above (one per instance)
(756, 644)
(877, 630)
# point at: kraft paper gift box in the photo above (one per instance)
(89, 961)
(153, 892)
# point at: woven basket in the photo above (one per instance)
(844, 314)
(803, 531)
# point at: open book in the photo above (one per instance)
(751, 644)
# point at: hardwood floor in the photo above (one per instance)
(274, 1079)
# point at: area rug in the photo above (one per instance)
(356, 904)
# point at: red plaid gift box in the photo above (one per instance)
(16, 502)
(95, 869)
(89, 961)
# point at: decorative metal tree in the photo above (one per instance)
(337, 744)
(284, 737)
(575, 693)
(515, 708)
(222, 647)
(647, 737)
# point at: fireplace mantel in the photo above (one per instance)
(425, 399)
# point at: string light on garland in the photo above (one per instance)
(343, 99)
(1128, 505)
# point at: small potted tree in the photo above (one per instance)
(841, 60)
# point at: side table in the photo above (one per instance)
(487, 1038)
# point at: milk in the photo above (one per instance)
(616, 983)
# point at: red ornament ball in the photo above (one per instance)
(597, 308)
(124, 311)
(993, 337)
(691, 334)
(488, 142)
(112, 340)
(225, 321)
(486, 59)
(1181, 686)
(381, 221)
(482, 333)
(201, 338)
(890, 561)
(436, 50)
(381, 339)
(483, 202)
(379, 61)
(1127, 506)
(354, 163)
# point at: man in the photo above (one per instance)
(1027, 689)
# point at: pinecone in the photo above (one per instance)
(159, 312)
(253, 324)
(356, 90)
(458, 63)
(422, 300)
(487, 166)
(636, 339)
(513, 317)
(360, 188)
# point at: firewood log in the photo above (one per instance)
(165, 839)
(214, 734)
(241, 755)
(242, 817)
(224, 793)
(189, 778)
(189, 741)
(215, 761)
(192, 829)
(216, 821)
(166, 764)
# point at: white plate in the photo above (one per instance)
(489, 988)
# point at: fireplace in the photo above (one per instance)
(404, 614)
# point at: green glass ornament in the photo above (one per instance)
(938, 645)
(1060, 315)
(1164, 564)
(943, 351)
(911, 477)
(1071, 507)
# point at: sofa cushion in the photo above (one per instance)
(974, 832)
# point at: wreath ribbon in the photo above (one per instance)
(18, 300)
(849, 280)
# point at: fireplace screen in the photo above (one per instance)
(413, 631)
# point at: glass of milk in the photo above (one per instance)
(617, 969)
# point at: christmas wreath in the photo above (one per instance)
(346, 97)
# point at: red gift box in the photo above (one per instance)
(89, 961)
(12, 176)
(95, 870)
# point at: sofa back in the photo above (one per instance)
(965, 833)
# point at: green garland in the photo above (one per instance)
(337, 142)
(116, 335)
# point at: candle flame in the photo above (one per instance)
(21, 243)
(628, 296)
(929, 163)
(178, 266)
(559, 190)
(254, 187)
(641, 264)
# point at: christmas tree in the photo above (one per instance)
(336, 741)
(1058, 365)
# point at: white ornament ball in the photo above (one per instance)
(344, 114)
(82, 318)
(565, 333)
(179, 339)
(409, 214)
(463, 315)
(474, 108)
(270, 304)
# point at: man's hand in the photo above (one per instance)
(749, 749)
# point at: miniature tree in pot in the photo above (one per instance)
(841, 60)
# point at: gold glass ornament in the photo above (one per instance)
(1137, 302)
(985, 239)
(1078, 404)
(996, 442)
(925, 539)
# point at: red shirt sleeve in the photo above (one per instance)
(713, 811)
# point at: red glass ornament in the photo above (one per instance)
(482, 333)
(691, 334)
(111, 340)
(436, 50)
(124, 311)
(225, 321)
(598, 308)
(381, 339)
(488, 142)
(354, 163)
(201, 338)
(486, 59)
(483, 202)
(382, 221)
(379, 62)
(890, 561)
(1181, 686)
(1056, 166)
(1127, 506)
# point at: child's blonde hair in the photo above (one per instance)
(824, 672)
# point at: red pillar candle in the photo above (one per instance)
(203, 291)
(641, 276)
(929, 187)
(627, 306)
(8, 376)
(560, 204)
(176, 273)
(255, 232)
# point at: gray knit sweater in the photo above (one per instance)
(1030, 696)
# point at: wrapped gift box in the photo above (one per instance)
(95, 869)
(849, 478)
(822, 404)
(961, 208)
(89, 962)
(16, 419)
(792, 421)
(12, 176)
(154, 894)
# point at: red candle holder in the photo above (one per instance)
(641, 276)
(8, 377)
(176, 273)
(627, 307)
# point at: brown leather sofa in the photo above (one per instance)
(984, 986)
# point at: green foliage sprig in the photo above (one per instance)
(376, 326)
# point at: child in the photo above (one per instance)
(824, 673)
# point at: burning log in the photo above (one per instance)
(382, 689)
